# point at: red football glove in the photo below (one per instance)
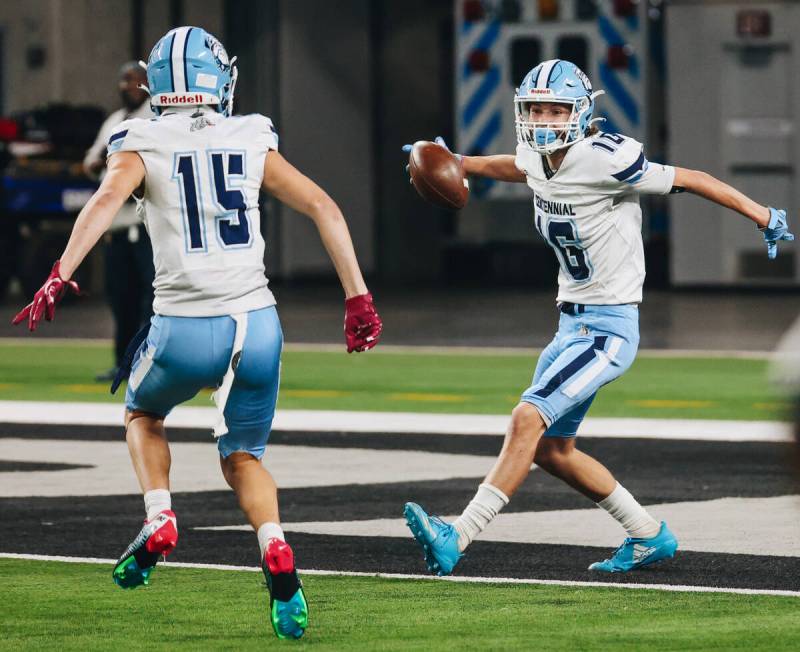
(45, 300)
(362, 324)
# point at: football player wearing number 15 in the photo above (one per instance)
(197, 172)
(585, 187)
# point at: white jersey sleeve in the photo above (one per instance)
(129, 136)
(627, 168)
(203, 176)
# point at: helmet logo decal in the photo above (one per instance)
(218, 52)
(584, 79)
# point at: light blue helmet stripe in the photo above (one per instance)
(178, 59)
(185, 67)
(171, 76)
(535, 79)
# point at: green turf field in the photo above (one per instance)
(215, 609)
(713, 388)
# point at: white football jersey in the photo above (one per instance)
(202, 181)
(588, 212)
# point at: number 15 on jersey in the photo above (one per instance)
(227, 201)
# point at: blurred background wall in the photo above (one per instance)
(347, 83)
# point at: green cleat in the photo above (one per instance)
(288, 609)
(156, 539)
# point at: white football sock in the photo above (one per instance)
(266, 532)
(156, 501)
(483, 508)
(630, 514)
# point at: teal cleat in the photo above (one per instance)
(439, 540)
(288, 609)
(636, 553)
(155, 541)
(290, 619)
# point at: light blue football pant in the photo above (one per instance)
(183, 355)
(589, 350)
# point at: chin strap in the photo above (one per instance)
(234, 77)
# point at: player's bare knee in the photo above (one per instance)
(544, 457)
(526, 422)
(553, 454)
(133, 415)
(548, 457)
(235, 463)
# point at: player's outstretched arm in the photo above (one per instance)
(125, 174)
(281, 179)
(771, 221)
(500, 166)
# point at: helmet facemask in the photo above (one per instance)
(546, 137)
(226, 93)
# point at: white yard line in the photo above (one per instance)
(407, 576)
(106, 414)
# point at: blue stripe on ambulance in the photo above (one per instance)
(484, 42)
(488, 86)
(613, 86)
(483, 100)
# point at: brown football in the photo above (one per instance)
(437, 175)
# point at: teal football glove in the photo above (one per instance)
(777, 229)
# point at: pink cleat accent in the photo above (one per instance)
(165, 537)
(278, 557)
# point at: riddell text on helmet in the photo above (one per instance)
(197, 98)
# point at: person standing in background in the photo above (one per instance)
(128, 253)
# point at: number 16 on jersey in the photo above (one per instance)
(228, 205)
(562, 236)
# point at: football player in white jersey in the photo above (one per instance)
(197, 172)
(586, 187)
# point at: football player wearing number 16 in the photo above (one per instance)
(197, 172)
(585, 187)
